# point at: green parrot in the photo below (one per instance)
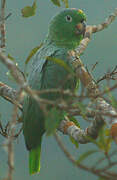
(66, 30)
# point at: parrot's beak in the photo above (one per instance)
(81, 28)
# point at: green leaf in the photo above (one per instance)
(107, 132)
(101, 138)
(56, 2)
(113, 101)
(61, 63)
(108, 142)
(66, 3)
(32, 53)
(112, 98)
(10, 57)
(29, 11)
(73, 119)
(52, 120)
(85, 155)
(103, 142)
(77, 86)
(74, 142)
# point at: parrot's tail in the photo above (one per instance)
(34, 160)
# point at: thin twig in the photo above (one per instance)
(109, 75)
(10, 140)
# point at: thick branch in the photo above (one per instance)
(81, 136)
(9, 94)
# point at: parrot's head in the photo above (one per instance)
(67, 28)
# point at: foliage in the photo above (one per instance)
(29, 11)
(57, 3)
(103, 141)
(32, 53)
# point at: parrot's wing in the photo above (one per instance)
(44, 74)
(39, 61)
(31, 111)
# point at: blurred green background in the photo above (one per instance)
(22, 35)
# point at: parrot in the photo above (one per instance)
(65, 31)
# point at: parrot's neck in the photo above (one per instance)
(70, 45)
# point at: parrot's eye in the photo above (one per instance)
(68, 18)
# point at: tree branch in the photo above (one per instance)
(79, 165)
(9, 94)
(87, 79)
